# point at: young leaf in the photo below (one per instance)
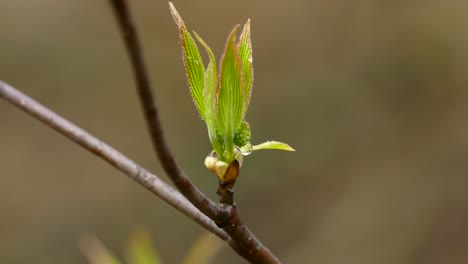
(273, 145)
(211, 102)
(194, 67)
(245, 53)
(230, 95)
(242, 136)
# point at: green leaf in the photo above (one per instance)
(273, 145)
(245, 52)
(230, 96)
(141, 250)
(211, 101)
(194, 67)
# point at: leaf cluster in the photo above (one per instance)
(222, 94)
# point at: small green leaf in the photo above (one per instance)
(194, 67)
(141, 250)
(211, 101)
(242, 136)
(245, 53)
(273, 145)
(230, 96)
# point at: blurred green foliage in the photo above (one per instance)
(140, 250)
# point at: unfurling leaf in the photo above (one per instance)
(242, 136)
(211, 100)
(194, 67)
(245, 52)
(273, 145)
(230, 96)
(222, 96)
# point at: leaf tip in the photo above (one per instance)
(247, 24)
(289, 148)
(175, 15)
(273, 145)
(199, 39)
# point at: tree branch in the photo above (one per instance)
(110, 155)
(226, 216)
(175, 173)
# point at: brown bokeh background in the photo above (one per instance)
(372, 94)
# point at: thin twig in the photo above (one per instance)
(225, 189)
(181, 181)
(109, 154)
(226, 216)
(246, 240)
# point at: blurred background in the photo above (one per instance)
(373, 95)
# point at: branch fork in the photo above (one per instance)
(221, 219)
